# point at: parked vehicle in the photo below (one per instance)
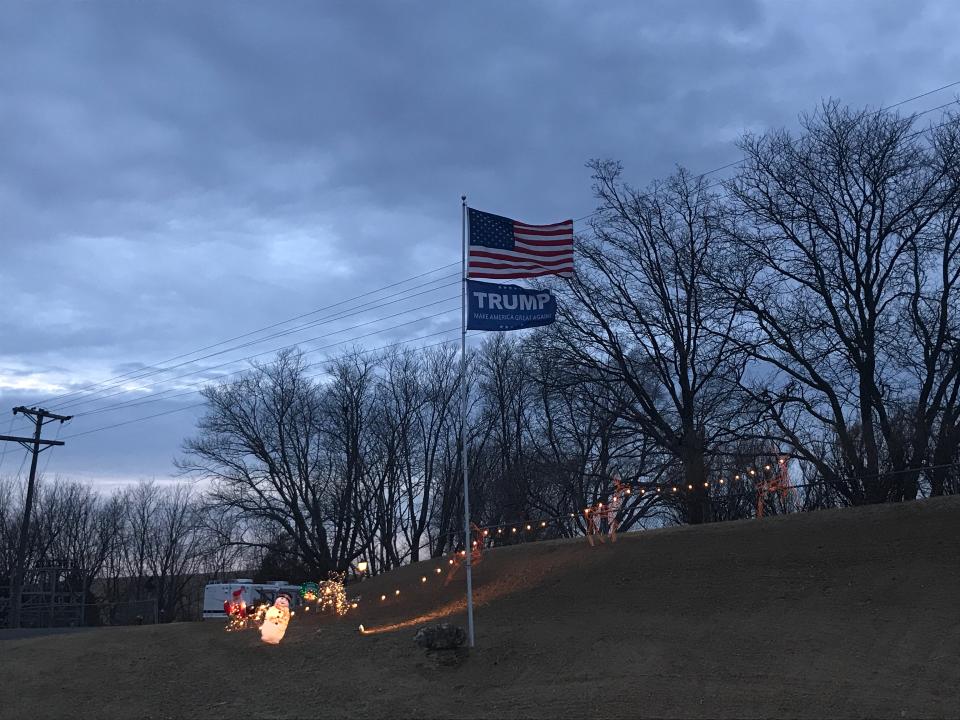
(216, 596)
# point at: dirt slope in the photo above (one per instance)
(849, 613)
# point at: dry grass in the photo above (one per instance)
(850, 613)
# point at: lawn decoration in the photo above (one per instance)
(275, 620)
(310, 591)
(596, 514)
(333, 595)
(778, 484)
(236, 610)
(479, 536)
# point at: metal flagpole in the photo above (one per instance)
(467, 548)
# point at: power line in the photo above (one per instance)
(292, 345)
(3, 455)
(341, 316)
(248, 334)
(201, 404)
(137, 403)
(876, 112)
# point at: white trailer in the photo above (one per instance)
(215, 594)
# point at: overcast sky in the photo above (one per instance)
(173, 174)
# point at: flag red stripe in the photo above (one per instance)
(524, 274)
(514, 262)
(519, 229)
(520, 254)
(523, 266)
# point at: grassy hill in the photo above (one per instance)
(846, 613)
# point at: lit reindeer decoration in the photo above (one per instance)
(779, 483)
(595, 515)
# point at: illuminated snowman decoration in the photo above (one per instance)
(275, 621)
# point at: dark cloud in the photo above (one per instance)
(174, 173)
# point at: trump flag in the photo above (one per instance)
(491, 306)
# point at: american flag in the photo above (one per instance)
(503, 248)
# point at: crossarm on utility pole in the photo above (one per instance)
(11, 438)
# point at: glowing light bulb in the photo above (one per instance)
(382, 598)
(706, 484)
(499, 531)
(753, 472)
(513, 529)
(689, 487)
(451, 562)
(397, 591)
(543, 524)
(673, 489)
(439, 571)
(721, 481)
(528, 527)
(766, 467)
(486, 532)
(361, 628)
(736, 477)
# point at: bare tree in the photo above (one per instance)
(849, 275)
(643, 314)
(261, 446)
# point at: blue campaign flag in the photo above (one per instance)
(492, 306)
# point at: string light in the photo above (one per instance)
(528, 527)
(721, 481)
(513, 529)
(439, 571)
(382, 598)
(543, 524)
(397, 591)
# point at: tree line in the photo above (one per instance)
(805, 310)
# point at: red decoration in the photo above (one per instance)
(596, 514)
(779, 484)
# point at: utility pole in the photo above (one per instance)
(39, 417)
